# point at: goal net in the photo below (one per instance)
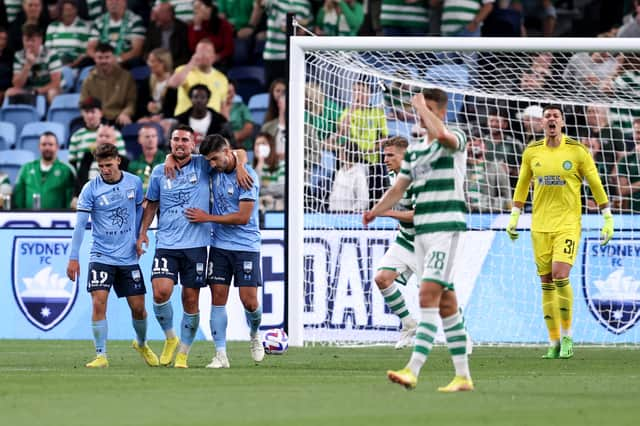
(350, 94)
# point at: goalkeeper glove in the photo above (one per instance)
(513, 223)
(607, 229)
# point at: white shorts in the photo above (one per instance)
(400, 260)
(437, 251)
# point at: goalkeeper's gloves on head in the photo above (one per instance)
(513, 223)
(607, 229)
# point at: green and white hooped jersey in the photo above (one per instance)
(456, 14)
(276, 45)
(437, 174)
(183, 9)
(406, 230)
(397, 13)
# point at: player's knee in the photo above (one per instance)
(250, 304)
(138, 312)
(161, 295)
(382, 280)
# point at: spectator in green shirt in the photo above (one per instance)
(46, 178)
(340, 18)
(150, 157)
(238, 114)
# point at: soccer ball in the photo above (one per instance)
(275, 341)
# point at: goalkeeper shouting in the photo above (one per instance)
(557, 164)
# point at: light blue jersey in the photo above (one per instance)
(227, 195)
(190, 188)
(115, 210)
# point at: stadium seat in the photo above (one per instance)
(140, 73)
(68, 79)
(450, 75)
(11, 162)
(242, 51)
(19, 115)
(7, 135)
(30, 135)
(63, 155)
(64, 108)
(251, 80)
(41, 105)
(84, 72)
(258, 105)
(237, 99)
(130, 136)
(400, 128)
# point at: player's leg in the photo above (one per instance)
(565, 248)
(542, 251)
(247, 277)
(192, 277)
(99, 281)
(395, 262)
(164, 275)
(219, 277)
(457, 341)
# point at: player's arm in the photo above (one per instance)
(520, 195)
(241, 217)
(388, 200)
(73, 267)
(147, 217)
(244, 178)
(402, 216)
(595, 184)
(434, 125)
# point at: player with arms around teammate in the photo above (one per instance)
(557, 165)
(181, 246)
(235, 246)
(113, 200)
(436, 169)
(398, 263)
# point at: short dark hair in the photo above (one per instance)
(398, 141)
(439, 96)
(200, 86)
(50, 133)
(31, 30)
(184, 127)
(105, 150)
(553, 106)
(213, 143)
(104, 48)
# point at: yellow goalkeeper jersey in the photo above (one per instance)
(557, 174)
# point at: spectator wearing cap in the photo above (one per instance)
(123, 30)
(167, 32)
(36, 69)
(531, 124)
(88, 167)
(69, 35)
(113, 85)
(84, 140)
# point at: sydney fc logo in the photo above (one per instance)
(40, 285)
(611, 289)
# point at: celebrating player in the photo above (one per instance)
(235, 246)
(398, 263)
(113, 200)
(181, 246)
(558, 165)
(436, 167)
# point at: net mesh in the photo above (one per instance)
(355, 100)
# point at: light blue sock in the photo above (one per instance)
(164, 314)
(100, 330)
(218, 322)
(140, 326)
(189, 328)
(254, 319)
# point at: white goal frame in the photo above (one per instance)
(299, 45)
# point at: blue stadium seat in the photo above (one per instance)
(130, 136)
(11, 162)
(19, 115)
(237, 99)
(140, 73)
(84, 72)
(251, 80)
(63, 155)
(30, 135)
(242, 51)
(64, 108)
(400, 128)
(41, 105)
(7, 135)
(68, 79)
(258, 105)
(450, 75)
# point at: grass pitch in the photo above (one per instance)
(46, 383)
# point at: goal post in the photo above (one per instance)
(332, 259)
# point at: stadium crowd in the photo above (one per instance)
(134, 69)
